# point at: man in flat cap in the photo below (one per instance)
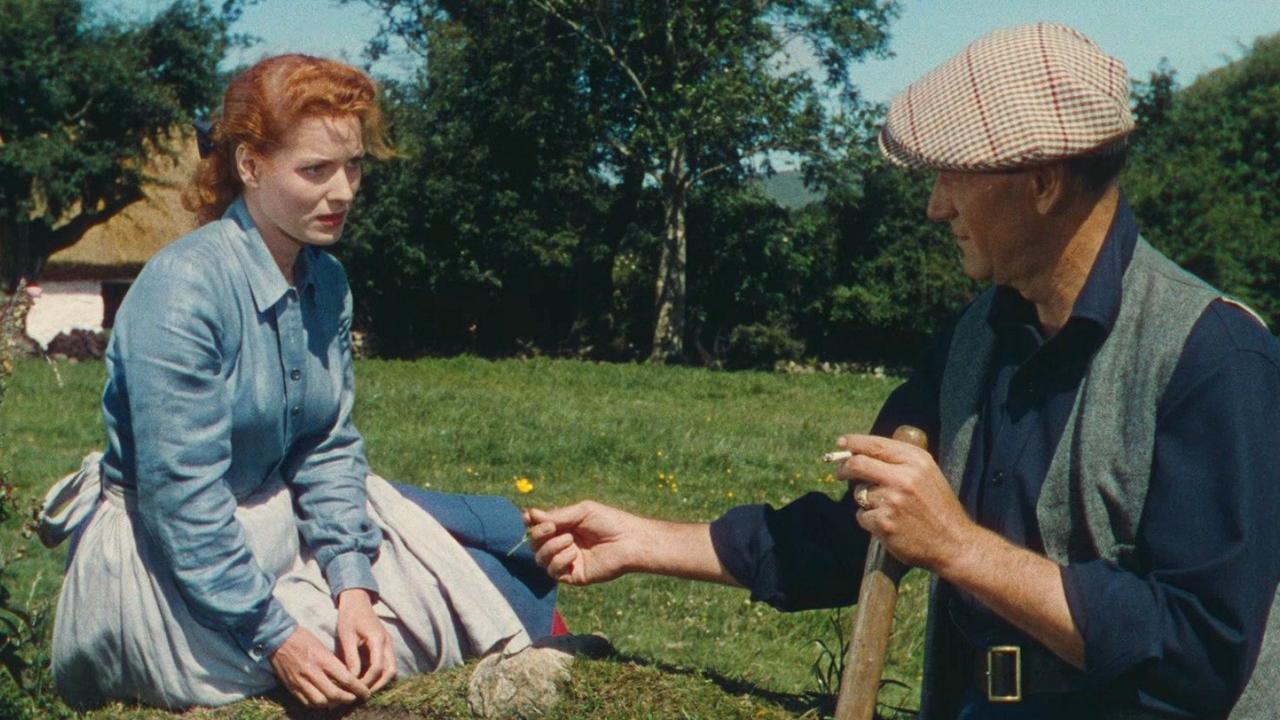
(1101, 487)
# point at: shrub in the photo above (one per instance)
(762, 345)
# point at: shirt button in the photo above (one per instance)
(295, 375)
(296, 411)
(997, 478)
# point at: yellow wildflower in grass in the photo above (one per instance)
(524, 485)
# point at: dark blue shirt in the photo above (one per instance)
(1181, 636)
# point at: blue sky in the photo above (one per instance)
(1194, 35)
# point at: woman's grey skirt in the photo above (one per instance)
(123, 631)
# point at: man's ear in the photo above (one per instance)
(1051, 188)
(247, 166)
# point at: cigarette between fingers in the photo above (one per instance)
(837, 456)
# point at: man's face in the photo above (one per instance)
(991, 219)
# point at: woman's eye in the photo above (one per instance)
(355, 163)
(313, 170)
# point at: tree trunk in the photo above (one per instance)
(15, 254)
(25, 246)
(668, 327)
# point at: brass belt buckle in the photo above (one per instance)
(1004, 674)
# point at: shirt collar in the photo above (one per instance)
(1099, 299)
(266, 283)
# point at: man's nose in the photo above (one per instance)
(939, 207)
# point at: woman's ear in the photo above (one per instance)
(247, 166)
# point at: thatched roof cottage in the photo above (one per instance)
(82, 285)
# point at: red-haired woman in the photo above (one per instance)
(231, 537)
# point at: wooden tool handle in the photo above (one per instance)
(869, 645)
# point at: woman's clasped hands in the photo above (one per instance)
(364, 663)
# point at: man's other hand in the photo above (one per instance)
(909, 505)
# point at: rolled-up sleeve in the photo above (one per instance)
(1185, 632)
(805, 555)
(181, 410)
(327, 470)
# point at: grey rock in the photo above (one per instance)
(526, 683)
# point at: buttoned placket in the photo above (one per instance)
(1007, 423)
(292, 359)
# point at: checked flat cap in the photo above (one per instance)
(1017, 97)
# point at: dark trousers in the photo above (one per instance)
(1033, 707)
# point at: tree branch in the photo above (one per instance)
(68, 234)
(622, 148)
(749, 152)
(609, 50)
(81, 112)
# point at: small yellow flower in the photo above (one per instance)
(524, 485)
(729, 494)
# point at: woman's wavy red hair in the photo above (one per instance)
(264, 103)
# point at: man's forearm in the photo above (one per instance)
(682, 550)
(1022, 587)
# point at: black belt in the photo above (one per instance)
(1008, 673)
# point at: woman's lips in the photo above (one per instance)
(332, 220)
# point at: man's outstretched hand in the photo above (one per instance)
(585, 543)
(590, 543)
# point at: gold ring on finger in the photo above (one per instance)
(862, 496)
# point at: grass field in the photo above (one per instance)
(677, 443)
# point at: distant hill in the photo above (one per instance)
(788, 190)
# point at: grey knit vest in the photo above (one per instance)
(1094, 491)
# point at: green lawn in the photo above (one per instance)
(677, 443)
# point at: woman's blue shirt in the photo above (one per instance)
(221, 378)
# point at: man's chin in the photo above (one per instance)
(974, 271)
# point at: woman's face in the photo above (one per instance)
(302, 192)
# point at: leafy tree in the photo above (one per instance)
(87, 100)
(894, 275)
(1152, 101)
(765, 273)
(489, 229)
(705, 95)
(1204, 175)
(676, 92)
